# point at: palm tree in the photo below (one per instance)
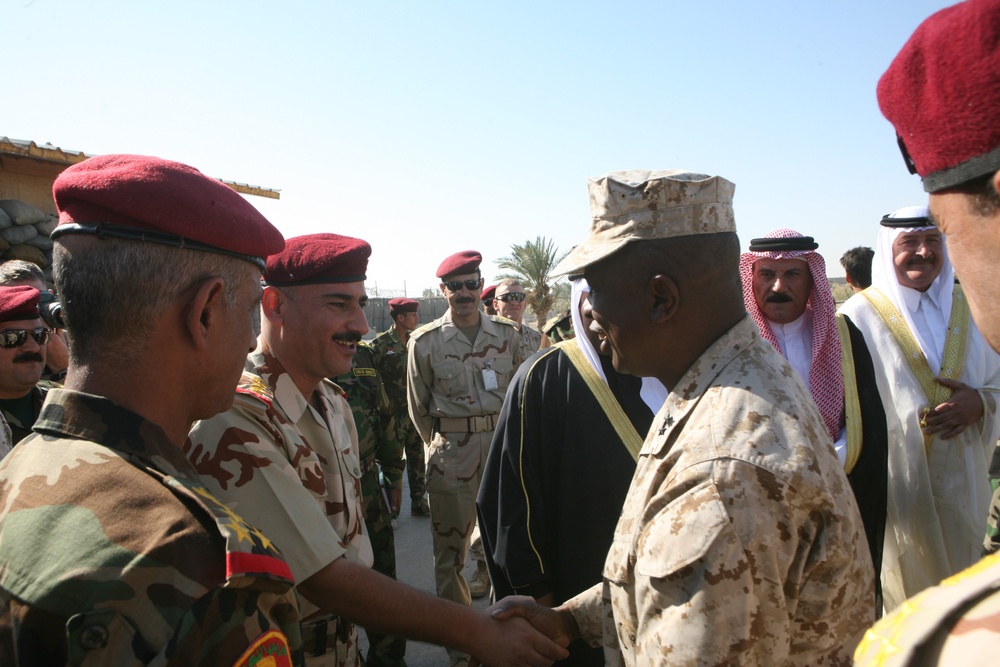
(531, 264)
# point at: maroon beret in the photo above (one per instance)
(403, 306)
(318, 258)
(942, 91)
(18, 303)
(467, 261)
(489, 293)
(151, 199)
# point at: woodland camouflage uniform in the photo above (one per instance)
(377, 443)
(390, 360)
(100, 498)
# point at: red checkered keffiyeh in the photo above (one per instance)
(826, 376)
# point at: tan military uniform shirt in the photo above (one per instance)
(294, 469)
(445, 371)
(740, 541)
(531, 340)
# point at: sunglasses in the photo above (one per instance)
(511, 296)
(471, 285)
(17, 337)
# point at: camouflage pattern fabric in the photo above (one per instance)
(992, 542)
(390, 360)
(113, 553)
(293, 470)
(740, 541)
(530, 341)
(953, 623)
(445, 380)
(21, 429)
(377, 443)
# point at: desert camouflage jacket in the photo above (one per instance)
(530, 341)
(739, 541)
(390, 360)
(375, 423)
(113, 553)
(953, 623)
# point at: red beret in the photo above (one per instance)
(942, 91)
(403, 305)
(319, 258)
(18, 303)
(151, 199)
(489, 293)
(467, 261)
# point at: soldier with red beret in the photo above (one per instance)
(489, 293)
(114, 552)
(940, 93)
(286, 455)
(390, 358)
(458, 370)
(23, 339)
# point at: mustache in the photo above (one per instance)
(348, 338)
(917, 261)
(465, 299)
(778, 298)
(28, 357)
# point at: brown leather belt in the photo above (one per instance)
(467, 424)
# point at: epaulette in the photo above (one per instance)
(336, 388)
(254, 385)
(500, 319)
(430, 326)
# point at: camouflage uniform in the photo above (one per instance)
(19, 429)
(531, 340)
(992, 542)
(295, 470)
(740, 541)
(377, 442)
(390, 359)
(455, 416)
(953, 623)
(113, 553)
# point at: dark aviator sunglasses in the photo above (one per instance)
(17, 337)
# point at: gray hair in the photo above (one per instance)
(112, 291)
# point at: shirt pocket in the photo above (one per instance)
(681, 534)
(449, 377)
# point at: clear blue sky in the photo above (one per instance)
(429, 127)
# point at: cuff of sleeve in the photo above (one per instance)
(586, 609)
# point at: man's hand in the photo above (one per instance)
(963, 409)
(395, 500)
(557, 624)
(507, 643)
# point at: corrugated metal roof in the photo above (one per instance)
(49, 153)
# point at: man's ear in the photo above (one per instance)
(850, 282)
(204, 311)
(666, 298)
(996, 182)
(272, 305)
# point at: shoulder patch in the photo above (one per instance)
(271, 648)
(253, 385)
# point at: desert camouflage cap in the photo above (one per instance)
(641, 205)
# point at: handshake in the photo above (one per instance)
(528, 634)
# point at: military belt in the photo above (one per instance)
(321, 637)
(467, 424)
